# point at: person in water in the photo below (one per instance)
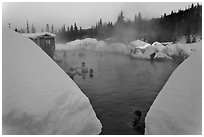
(137, 117)
(91, 73)
(71, 72)
(137, 124)
(84, 69)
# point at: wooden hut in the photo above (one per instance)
(44, 40)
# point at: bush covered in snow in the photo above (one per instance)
(136, 49)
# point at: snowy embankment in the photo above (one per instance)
(37, 96)
(178, 107)
(93, 44)
(136, 49)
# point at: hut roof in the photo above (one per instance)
(36, 35)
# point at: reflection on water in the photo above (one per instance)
(119, 85)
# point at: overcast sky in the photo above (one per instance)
(84, 14)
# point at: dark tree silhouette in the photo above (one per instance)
(27, 27)
(47, 28)
(166, 28)
(33, 30)
(52, 29)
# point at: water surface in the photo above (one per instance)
(119, 86)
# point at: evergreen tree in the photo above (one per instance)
(27, 27)
(75, 28)
(52, 29)
(33, 30)
(47, 28)
(71, 28)
(139, 16)
(121, 18)
(135, 20)
(63, 29)
(100, 22)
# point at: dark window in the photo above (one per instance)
(48, 42)
(42, 42)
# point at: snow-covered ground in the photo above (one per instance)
(93, 44)
(143, 49)
(138, 44)
(37, 96)
(178, 107)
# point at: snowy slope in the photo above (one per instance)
(37, 96)
(178, 107)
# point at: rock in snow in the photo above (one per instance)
(178, 107)
(37, 96)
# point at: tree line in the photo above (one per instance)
(166, 28)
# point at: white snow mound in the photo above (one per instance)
(37, 96)
(158, 46)
(178, 107)
(93, 44)
(162, 52)
(139, 44)
(160, 55)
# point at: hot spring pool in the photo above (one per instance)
(119, 86)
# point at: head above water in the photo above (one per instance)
(138, 113)
(91, 70)
(83, 64)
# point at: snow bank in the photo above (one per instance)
(101, 45)
(171, 50)
(162, 52)
(87, 43)
(37, 96)
(139, 44)
(160, 55)
(119, 48)
(93, 44)
(149, 50)
(178, 107)
(158, 46)
(139, 54)
(168, 51)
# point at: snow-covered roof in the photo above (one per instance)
(35, 35)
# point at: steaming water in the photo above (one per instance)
(119, 86)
